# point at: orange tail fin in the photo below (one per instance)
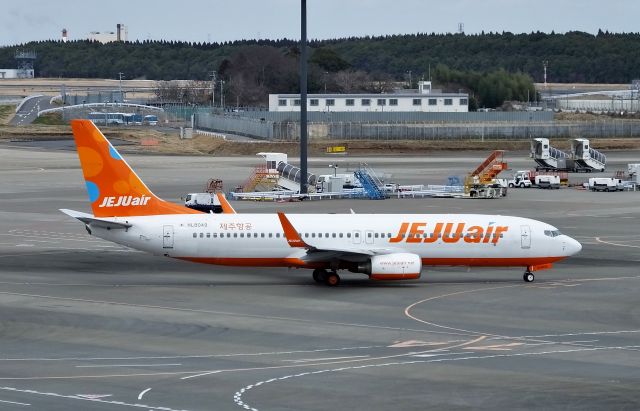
(114, 188)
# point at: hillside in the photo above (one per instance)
(491, 67)
(572, 57)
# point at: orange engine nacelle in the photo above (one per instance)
(397, 266)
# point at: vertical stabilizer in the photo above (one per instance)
(115, 190)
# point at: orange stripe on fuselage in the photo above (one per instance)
(254, 262)
(296, 262)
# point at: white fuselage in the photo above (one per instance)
(259, 239)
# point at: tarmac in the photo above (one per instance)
(87, 324)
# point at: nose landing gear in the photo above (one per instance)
(528, 277)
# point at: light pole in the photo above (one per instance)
(335, 169)
(213, 89)
(303, 97)
(326, 73)
(222, 94)
(410, 82)
(120, 78)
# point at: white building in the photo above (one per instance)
(120, 34)
(16, 73)
(423, 100)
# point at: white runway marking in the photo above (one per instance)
(75, 397)
(327, 359)
(14, 402)
(237, 398)
(616, 244)
(143, 393)
(127, 365)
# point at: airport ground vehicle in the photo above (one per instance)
(605, 184)
(547, 181)
(203, 202)
(520, 179)
(382, 246)
(150, 119)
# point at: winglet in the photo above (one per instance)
(226, 207)
(293, 238)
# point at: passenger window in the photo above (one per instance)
(333, 235)
(306, 235)
(376, 236)
(348, 235)
(326, 235)
(340, 235)
(270, 235)
(195, 235)
(262, 235)
(208, 235)
(201, 235)
(215, 235)
(277, 235)
(235, 235)
(357, 235)
(241, 235)
(313, 235)
(228, 235)
(368, 235)
(255, 235)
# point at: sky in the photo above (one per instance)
(217, 21)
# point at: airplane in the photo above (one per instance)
(382, 246)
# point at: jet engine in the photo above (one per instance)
(397, 266)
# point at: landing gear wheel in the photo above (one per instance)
(528, 277)
(332, 279)
(319, 275)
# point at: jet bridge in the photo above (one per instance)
(549, 158)
(586, 157)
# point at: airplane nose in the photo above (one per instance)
(573, 246)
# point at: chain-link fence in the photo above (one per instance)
(290, 131)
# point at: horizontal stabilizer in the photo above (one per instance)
(96, 222)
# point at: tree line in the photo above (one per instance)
(493, 67)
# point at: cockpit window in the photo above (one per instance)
(552, 233)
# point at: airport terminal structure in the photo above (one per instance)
(424, 99)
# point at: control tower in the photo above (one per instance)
(26, 59)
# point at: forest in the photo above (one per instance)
(492, 67)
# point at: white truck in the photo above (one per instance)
(520, 179)
(547, 181)
(204, 202)
(605, 184)
(329, 182)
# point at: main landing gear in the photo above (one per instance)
(528, 277)
(330, 278)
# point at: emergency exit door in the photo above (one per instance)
(167, 236)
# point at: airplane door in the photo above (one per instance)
(357, 236)
(368, 237)
(525, 236)
(167, 236)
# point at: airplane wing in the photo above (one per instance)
(97, 222)
(325, 253)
